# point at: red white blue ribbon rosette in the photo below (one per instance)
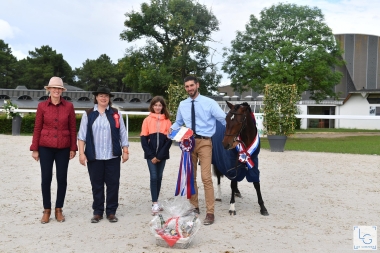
(185, 181)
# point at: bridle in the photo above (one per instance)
(243, 125)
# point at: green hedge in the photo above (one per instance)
(27, 123)
(5, 124)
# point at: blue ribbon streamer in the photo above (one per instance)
(185, 181)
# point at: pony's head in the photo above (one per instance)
(236, 120)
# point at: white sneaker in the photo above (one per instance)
(155, 209)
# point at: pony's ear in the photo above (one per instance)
(229, 105)
(245, 107)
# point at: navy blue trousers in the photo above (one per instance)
(156, 171)
(61, 158)
(105, 172)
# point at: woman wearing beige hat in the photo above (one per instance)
(54, 140)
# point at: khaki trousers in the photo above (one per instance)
(202, 152)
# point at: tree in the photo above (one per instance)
(7, 67)
(290, 44)
(177, 32)
(41, 65)
(98, 72)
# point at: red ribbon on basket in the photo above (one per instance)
(170, 239)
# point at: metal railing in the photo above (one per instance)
(259, 116)
(83, 111)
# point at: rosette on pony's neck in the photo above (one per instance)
(116, 117)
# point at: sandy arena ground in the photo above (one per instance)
(314, 200)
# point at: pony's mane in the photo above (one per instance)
(236, 107)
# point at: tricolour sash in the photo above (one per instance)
(245, 153)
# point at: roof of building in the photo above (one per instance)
(71, 87)
(28, 99)
(21, 87)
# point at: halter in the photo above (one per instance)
(243, 125)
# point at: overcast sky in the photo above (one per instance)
(84, 29)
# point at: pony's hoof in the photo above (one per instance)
(264, 212)
(232, 212)
(238, 194)
(218, 199)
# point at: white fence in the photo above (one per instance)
(259, 117)
(82, 111)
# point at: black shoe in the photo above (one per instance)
(112, 218)
(96, 218)
(192, 211)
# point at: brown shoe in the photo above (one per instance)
(46, 216)
(96, 218)
(209, 219)
(59, 215)
(112, 218)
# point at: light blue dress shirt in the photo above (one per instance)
(102, 134)
(207, 111)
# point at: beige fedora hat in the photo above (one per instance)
(55, 82)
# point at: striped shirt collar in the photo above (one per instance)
(96, 107)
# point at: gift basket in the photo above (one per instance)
(177, 225)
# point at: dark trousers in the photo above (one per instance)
(156, 171)
(61, 158)
(105, 172)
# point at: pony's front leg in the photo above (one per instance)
(263, 209)
(237, 192)
(218, 194)
(232, 201)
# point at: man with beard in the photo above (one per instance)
(200, 114)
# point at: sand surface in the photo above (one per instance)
(314, 200)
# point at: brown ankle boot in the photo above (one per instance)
(46, 216)
(59, 215)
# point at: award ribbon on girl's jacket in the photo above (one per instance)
(185, 181)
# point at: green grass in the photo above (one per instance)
(134, 136)
(366, 145)
(334, 130)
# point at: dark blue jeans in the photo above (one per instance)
(61, 158)
(105, 172)
(156, 171)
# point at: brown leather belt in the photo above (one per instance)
(196, 136)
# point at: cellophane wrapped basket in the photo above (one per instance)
(176, 226)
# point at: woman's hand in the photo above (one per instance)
(36, 155)
(82, 159)
(155, 160)
(72, 154)
(125, 157)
